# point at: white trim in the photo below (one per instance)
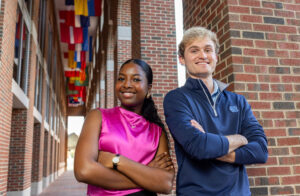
(110, 65)
(124, 33)
(37, 114)
(36, 187)
(46, 125)
(102, 84)
(46, 181)
(25, 192)
(19, 94)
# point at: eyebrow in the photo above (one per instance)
(196, 47)
(133, 74)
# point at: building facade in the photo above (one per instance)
(259, 57)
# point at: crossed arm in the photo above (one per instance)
(157, 176)
(235, 141)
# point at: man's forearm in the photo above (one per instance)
(236, 141)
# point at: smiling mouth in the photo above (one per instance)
(127, 94)
(198, 63)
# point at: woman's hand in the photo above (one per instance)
(162, 161)
(105, 158)
(197, 125)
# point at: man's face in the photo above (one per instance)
(200, 58)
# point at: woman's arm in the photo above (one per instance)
(86, 167)
(157, 176)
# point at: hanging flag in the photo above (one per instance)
(85, 44)
(72, 73)
(71, 46)
(85, 82)
(77, 35)
(84, 21)
(79, 65)
(81, 7)
(94, 7)
(83, 56)
(71, 63)
(64, 33)
(66, 55)
(68, 16)
(77, 56)
(69, 2)
(91, 7)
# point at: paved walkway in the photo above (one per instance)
(65, 185)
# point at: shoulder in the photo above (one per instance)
(94, 114)
(174, 94)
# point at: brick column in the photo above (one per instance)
(7, 31)
(158, 48)
(37, 160)
(124, 32)
(259, 58)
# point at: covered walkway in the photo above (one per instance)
(65, 185)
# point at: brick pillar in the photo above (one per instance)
(7, 31)
(37, 160)
(124, 32)
(46, 159)
(158, 48)
(259, 58)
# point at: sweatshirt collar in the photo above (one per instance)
(194, 84)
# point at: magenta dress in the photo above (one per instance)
(130, 135)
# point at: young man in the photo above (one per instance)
(214, 130)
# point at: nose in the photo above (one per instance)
(127, 83)
(202, 54)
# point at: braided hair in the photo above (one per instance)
(149, 111)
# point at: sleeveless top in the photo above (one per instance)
(130, 135)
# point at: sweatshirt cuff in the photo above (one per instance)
(225, 144)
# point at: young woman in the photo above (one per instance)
(124, 150)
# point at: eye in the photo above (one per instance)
(120, 79)
(137, 79)
(208, 50)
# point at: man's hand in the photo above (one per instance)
(197, 125)
(236, 141)
(229, 158)
(162, 161)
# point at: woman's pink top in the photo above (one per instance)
(128, 134)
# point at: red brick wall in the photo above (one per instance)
(7, 19)
(37, 154)
(158, 48)
(259, 57)
(124, 20)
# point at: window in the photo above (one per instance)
(38, 86)
(47, 104)
(21, 55)
(41, 23)
(50, 48)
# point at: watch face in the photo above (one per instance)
(116, 159)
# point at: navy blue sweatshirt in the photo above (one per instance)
(199, 173)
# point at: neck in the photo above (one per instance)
(135, 109)
(208, 81)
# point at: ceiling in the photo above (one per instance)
(60, 5)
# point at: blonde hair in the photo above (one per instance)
(194, 33)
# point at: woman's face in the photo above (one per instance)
(132, 87)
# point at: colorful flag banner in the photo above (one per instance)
(68, 16)
(94, 7)
(81, 7)
(69, 2)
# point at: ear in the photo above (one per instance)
(181, 60)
